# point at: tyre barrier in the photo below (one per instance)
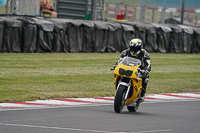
(37, 34)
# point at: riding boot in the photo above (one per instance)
(144, 86)
(142, 95)
(143, 92)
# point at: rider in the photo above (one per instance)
(135, 51)
(47, 8)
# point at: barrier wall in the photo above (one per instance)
(31, 34)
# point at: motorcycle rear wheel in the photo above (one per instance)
(119, 99)
(133, 108)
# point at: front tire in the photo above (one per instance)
(119, 99)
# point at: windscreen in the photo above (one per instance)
(131, 61)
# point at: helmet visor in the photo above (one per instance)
(134, 49)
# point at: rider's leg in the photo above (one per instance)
(144, 86)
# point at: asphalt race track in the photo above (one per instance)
(153, 116)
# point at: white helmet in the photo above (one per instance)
(135, 45)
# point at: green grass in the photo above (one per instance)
(175, 73)
(2, 9)
(31, 76)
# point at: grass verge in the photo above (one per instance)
(31, 76)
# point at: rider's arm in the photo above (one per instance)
(147, 63)
(124, 53)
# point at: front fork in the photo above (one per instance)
(127, 92)
(125, 84)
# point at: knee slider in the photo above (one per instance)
(146, 80)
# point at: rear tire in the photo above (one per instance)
(119, 99)
(133, 108)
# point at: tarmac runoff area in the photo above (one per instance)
(71, 102)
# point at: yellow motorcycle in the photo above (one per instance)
(128, 84)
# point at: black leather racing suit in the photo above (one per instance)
(144, 57)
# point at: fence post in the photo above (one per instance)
(142, 11)
(118, 6)
(13, 7)
(196, 19)
(135, 13)
(93, 11)
(182, 11)
(7, 2)
(126, 12)
(107, 10)
(163, 12)
(153, 17)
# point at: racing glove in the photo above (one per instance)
(145, 72)
(114, 66)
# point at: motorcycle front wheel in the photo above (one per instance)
(120, 99)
